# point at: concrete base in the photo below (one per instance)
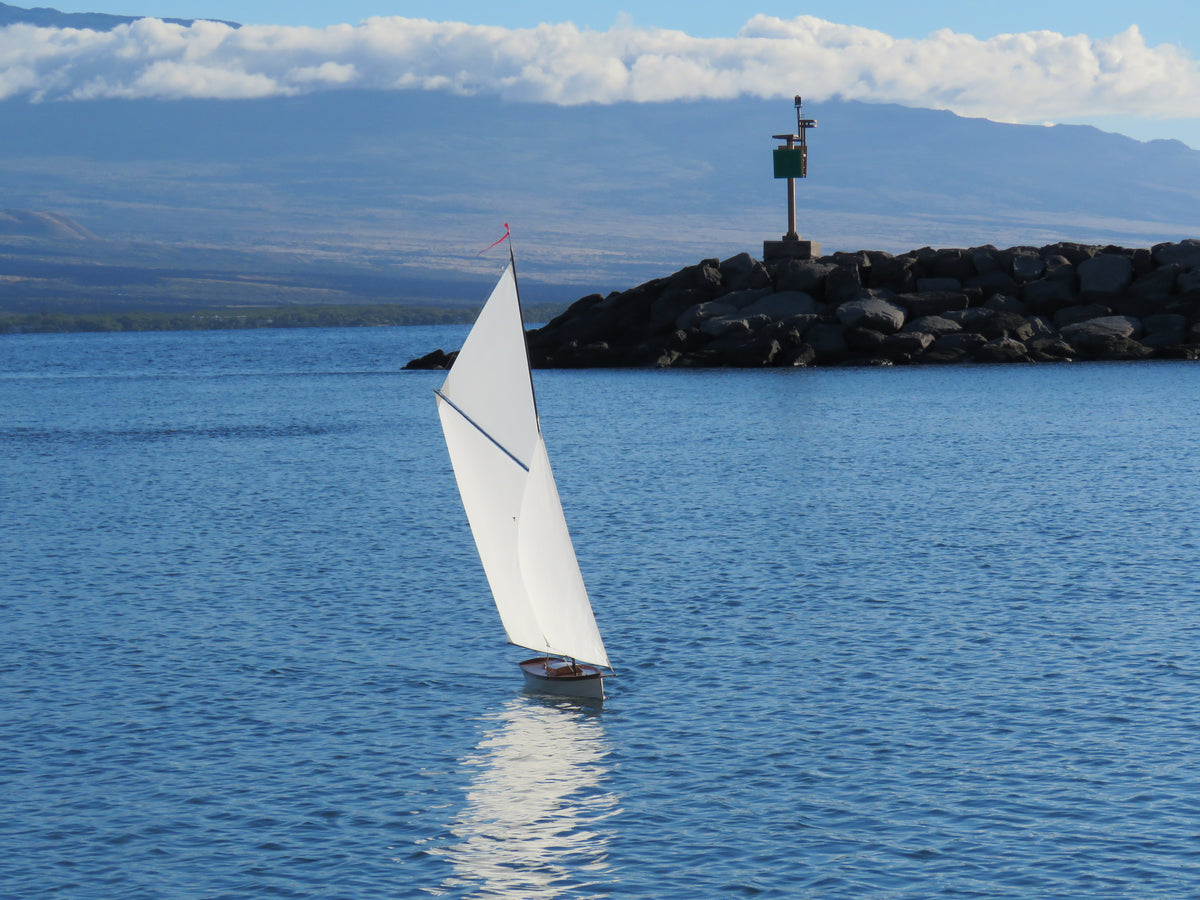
(786, 249)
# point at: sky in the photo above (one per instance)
(1129, 68)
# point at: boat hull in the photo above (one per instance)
(550, 675)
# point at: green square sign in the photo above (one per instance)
(791, 163)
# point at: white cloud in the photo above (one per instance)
(1027, 77)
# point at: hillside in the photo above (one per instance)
(383, 196)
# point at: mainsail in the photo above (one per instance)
(489, 417)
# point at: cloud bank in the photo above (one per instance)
(1028, 77)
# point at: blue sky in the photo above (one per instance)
(1144, 83)
(1160, 22)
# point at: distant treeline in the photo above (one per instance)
(219, 319)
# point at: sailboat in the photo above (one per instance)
(490, 421)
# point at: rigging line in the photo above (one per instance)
(454, 406)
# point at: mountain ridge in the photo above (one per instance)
(407, 187)
(48, 17)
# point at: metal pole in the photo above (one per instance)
(791, 233)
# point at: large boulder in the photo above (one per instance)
(1185, 254)
(938, 285)
(1106, 273)
(843, 283)
(932, 303)
(784, 305)
(1105, 326)
(806, 275)
(874, 310)
(950, 348)
(906, 346)
(742, 299)
(1157, 283)
(953, 263)
(935, 325)
(1069, 315)
(1027, 267)
(1005, 325)
(1165, 330)
(1002, 350)
(1050, 348)
(744, 271)
(828, 341)
(1048, 295)
(897, 273)
(711, 309)
(738, 323)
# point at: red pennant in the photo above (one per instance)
(494, 243)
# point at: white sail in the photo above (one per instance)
(490, 422)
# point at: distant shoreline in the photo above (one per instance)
(340, 316)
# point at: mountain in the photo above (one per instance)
(398, 191)
(45, 17)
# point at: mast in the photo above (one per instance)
(512, 261)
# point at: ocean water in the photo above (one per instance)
(904, 633)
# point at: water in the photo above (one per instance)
(897, 634)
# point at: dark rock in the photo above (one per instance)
(970, 319)
(1004, 325)
(955, 264)
(1105, 273)
(1114, 347)
(897, 273)
(1177, 352)
(1105, 326)
(436, 359)
(737, 324)
(701, 312)
(784, 305)
(1006, 303)
(1071, 314)
(1157, 283)
(666, 309)
(1046, 296)
(1059, 268)
(744, 298)
(935, 325)
(843, 284)
(906, 346)
(1041, 328)
(993, 282)
(828, 341)
(1073, 253)
(1165, 330)
(872, 309)
(1188, 281)
(865, 341)
(1050, 348)
(705, 275)
(954, 347)
(936, 302)
(805, 275)
(745, 349)
(938, 285)
(1002, 350)
(1185, 254)
(802, 355)
(988, 259)
(1027, 267)
(744, 272)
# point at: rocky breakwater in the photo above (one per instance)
(1050, 304)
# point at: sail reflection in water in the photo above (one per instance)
(533, 824)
